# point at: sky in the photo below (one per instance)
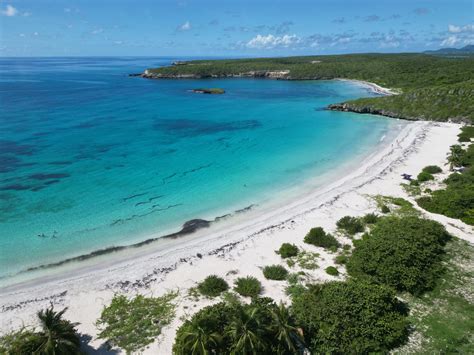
(231, 28)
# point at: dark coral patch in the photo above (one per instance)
(191, 128)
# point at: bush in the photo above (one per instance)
(275, 272)
(132, 324)
(341, 259)
(432, 169)
(288, 250)
(370, 218)
(354, 317)
(424, 176)
(248, 286)
(318, 237)
(331, 270)
(404, 253)
(212, 286)
(351, 225)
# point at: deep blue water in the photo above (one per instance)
(91, 158)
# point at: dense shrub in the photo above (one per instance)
(248, 286)
(132, 324)
(212, 286)
(354, 317)
(457, 200)
(341, 259)
(351, 225)
(432, 169)
(466, 134)
(424, 176)
(404, 253)
(318, 237)
(288, 250)
(275, 272)
(370, 218)
(331, 270)
(262, 327)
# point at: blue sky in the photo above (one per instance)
(230, 28)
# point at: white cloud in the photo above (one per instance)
(35, 34)
(26, 14)
(97, 31)
(21, 35)
(185, 26)
(450, 41)
(271, 41)
(454, 29)
(9, 11)
(460, 29)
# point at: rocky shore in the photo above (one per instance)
(283, 74)
(347, 107)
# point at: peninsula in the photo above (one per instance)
(428, 87)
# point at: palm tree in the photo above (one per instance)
(456, 155)
(288, 336)
(246, 332)
(197, 341)
(58, 336)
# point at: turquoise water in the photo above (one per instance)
(91, 158)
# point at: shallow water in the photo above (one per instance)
(91, 158)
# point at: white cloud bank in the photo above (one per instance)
(271, 41)
(459, 35)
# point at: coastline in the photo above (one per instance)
(246, 243)
(377, 89)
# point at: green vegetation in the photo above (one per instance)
(212, 286)
(331, 270)
(132, 324)
(432, 169)
(404, 253)
(288, 250)
(370, 218)
(248, 286)
(443, 317)
(209, 91)
(56, 337)
(457, 199)
(385, 209)
(275, 272)
(318, 237)
(305, 260)
(424, 176)
(353, 317)
(398, 206)
(433, 87)
(467, 133)
(341, 259)
(262, 327)
(351, 225)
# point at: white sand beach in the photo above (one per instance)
(239, 247)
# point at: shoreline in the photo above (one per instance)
(245, 245)
(375, 88)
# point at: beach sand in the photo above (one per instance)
(238, 248)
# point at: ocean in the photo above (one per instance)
(91, 158)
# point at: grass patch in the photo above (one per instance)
(212, 286)
(132, 324)
(331, 270)
(275, 272)
(248, 286)
(443, 317)
(397, 206)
